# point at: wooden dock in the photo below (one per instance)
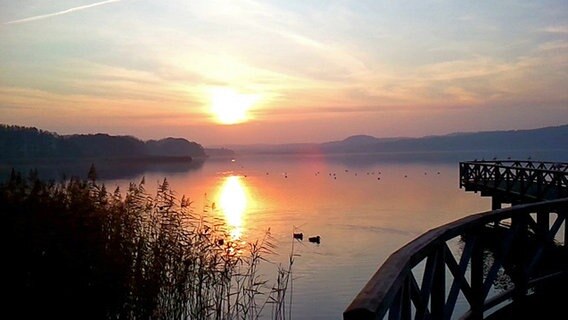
(504, 263)
(515, 182)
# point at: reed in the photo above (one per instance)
(76, 250)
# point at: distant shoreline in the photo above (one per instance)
(133, 160)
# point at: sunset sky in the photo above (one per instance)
(222, 72)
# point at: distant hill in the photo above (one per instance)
(548, 138)
(353, 144)
(175, 147)
(18, 142)
(540, 139)
(291, 148)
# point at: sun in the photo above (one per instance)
(230, 106)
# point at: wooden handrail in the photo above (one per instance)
(554, 166)
(394, 288)
(378, 295)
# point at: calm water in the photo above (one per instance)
(362, 208)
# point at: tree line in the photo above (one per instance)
(17, 142)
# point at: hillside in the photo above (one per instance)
(18, 142)
(548, 138)
(537, 139)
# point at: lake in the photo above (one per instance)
(363, 208)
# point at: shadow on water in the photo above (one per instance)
(107, 169)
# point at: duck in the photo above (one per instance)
(299, 236)
(315, 239)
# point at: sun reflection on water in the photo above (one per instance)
(233, 202)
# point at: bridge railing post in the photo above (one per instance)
(497, 176)
(475, 172)
(522, 175)
(543, 223)
(564, 213)
(463, 173)
(439, 285)
(558, 179)
(477, 280)
(495, 203)
(540, 184)
(517, 271)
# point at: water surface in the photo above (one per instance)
(362, 208)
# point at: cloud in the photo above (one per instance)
(49, 15)
(556, 29)
(553, 45)
(12, 107)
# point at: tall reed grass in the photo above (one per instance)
(75, 250)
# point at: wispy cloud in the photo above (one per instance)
(49, 15)
(556, 29)
(553, 45)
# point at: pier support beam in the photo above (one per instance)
(495, 203)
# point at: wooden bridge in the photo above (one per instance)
(493, 263)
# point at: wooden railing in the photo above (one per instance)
(425, 278)
(524, 180)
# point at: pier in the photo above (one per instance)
(496, 264)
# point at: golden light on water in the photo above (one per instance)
(230, 106)
(233, 202)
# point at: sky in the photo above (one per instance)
(236, 72)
